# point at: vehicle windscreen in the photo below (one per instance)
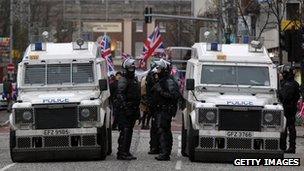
(49, 74)
(235, 75)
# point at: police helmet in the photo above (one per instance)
(287, 71)
(162, 64)
(129, 64)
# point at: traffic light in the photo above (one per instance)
(148, 10)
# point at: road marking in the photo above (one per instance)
(7, 167)
(179, 163)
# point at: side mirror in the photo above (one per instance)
(103, 84)
(190, 84)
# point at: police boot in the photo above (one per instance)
(128, 145)
(121, 154)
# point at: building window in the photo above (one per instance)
(139, 26)
(162, 27)
(138, 48)
(116, 47)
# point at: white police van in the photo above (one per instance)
(232, 107)
(62, 109)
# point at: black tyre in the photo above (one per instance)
(109, 134)
(191, 141)
(184, 139)
(12, 143)
(104, 142)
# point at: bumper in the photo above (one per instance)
(230, 155)
(56, 154)
(47, 145)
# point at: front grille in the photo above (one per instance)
(207, 142)
(239, 143)
(48, 118)
(89, 140)
(56, 141)
(24, 142)
(271, 144)
(232, 120)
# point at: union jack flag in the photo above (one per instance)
(125, 56)
(153, 45)
(105, 52)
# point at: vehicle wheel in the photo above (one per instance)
(184, 139)
(104, 143)
(109, 134)
(191, 141)
(12, 143)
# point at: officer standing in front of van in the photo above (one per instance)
(128, 98)
(167, 95)
(289, 95)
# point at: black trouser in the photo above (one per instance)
(125, 126)
(290, 115)
(146, 119)
(163, 120)
(154, 136)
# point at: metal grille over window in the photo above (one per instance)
(24, 115)
(58, 73)
(207, 116)
(58, 141)
(34, 74)
(207, 142)
(239, 143)
(88, 113)
(89, 140)
(271, 144)
(272, 118)
(24, 142)
(82, 73)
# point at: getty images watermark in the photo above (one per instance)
(267, 162)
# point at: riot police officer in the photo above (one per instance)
(151, 80)
(167, 95)
(289, 95)
(128, 98)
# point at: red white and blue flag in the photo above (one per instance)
(153, 45)
(105, 52)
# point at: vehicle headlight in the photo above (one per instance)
(23, 115)
(27, 115)
(85, 113)
(88, 113)
(272, 118)
(210, 115)
(268, 117)
(207, 115)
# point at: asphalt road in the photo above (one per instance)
(140, 145)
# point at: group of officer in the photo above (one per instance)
(162, 93)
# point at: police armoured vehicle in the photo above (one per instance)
(232, 108)
(62, 109)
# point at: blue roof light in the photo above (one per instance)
(214, 46)
(38, 46)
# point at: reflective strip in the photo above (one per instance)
(71, 132)
(214, 133)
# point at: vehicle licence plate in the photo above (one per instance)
(56, 132)
(239, 134)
